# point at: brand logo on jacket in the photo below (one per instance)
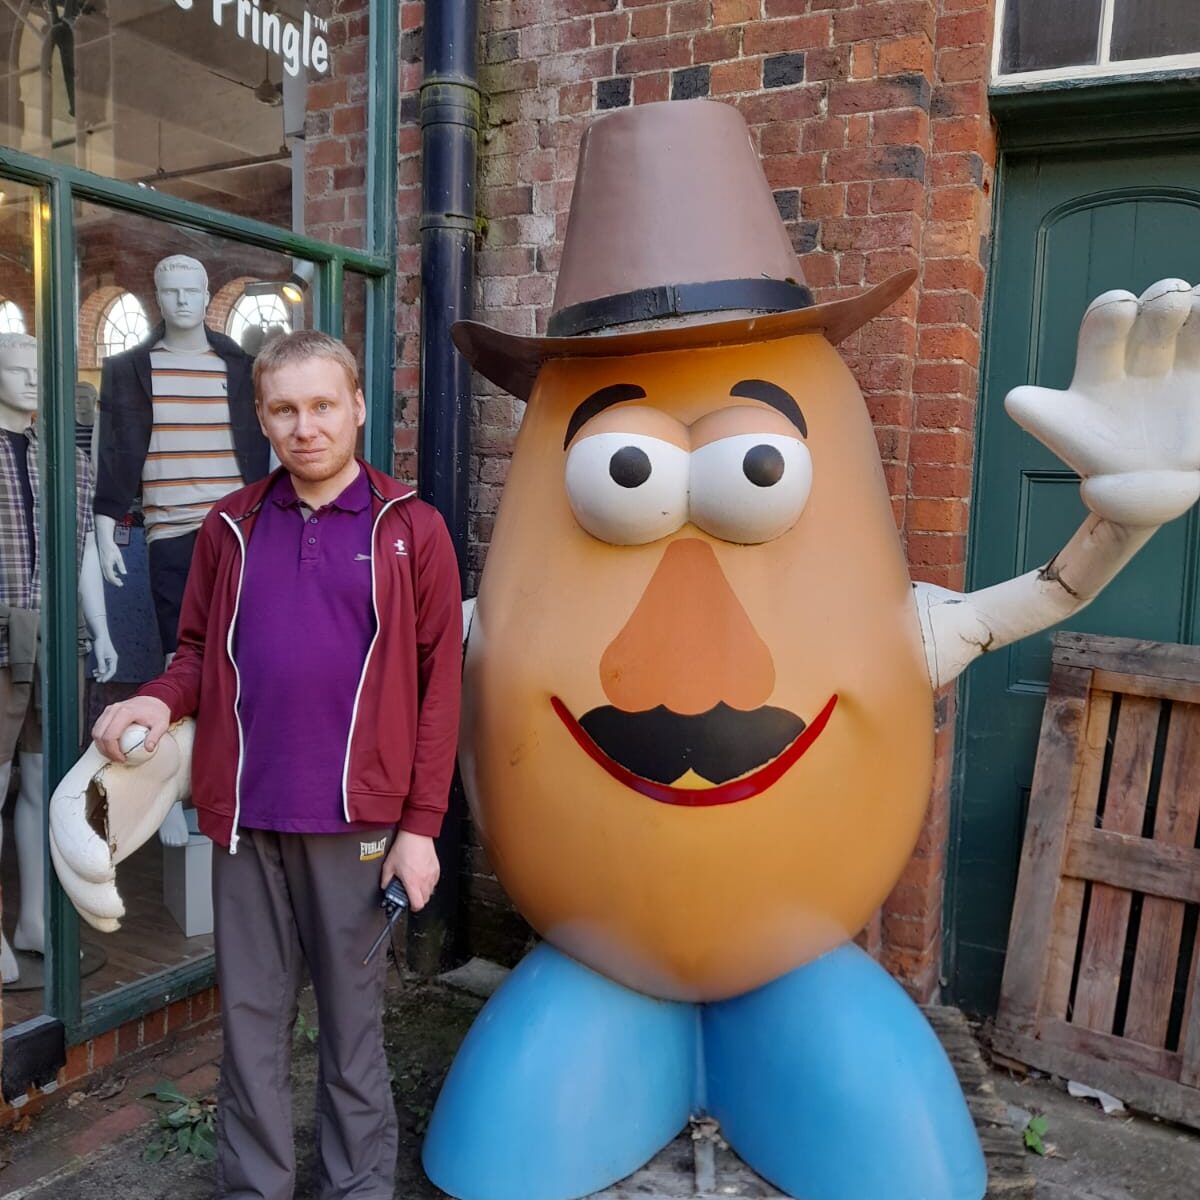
(401, 548)
(371, 850)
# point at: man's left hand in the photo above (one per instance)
(413, 860)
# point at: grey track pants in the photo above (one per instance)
(283, 900)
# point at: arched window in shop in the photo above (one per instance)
(12, 320)
(255, 316)
(123, 325)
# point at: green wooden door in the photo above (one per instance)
(1070, 225)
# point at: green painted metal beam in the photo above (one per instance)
(146, 995)
(54, 275)
(145, 201)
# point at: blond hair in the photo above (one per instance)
(290, 348)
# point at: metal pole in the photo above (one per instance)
(449, 136)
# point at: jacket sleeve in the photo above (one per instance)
(439, 679)
(178, 687)
(120, 451)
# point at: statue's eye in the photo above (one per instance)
(630, 466)
(750, 488)
(627, 488)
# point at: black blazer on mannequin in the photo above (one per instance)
(127, 415)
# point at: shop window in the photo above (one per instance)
(237, 127)
(1081, 38)
(12, 320)
(258, 110)
(256, 316)
(123, 325)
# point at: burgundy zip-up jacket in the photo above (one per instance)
(403, 733)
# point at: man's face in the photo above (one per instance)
(19, 379)
(311, 417)
(183, 298)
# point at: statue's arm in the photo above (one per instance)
(958, 627)
(1129, 426)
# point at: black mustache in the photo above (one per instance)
(718, 745)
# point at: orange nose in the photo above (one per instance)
(689, 644)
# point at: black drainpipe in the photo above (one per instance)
(449, 135)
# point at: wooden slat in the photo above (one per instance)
(1124, 862)
(1108, 913)
(1161, 929)
(1055, 782)
(1189, 1038)
(1108, 1047)
(1068, 913)
(1185, 691)
(1127, 656)
(1150, 1093)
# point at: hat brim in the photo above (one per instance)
(512, 361)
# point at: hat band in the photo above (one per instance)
(679, 300)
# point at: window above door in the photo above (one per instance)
(1040, 42)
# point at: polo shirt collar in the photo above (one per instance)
(354, 498)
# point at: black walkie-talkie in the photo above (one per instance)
(394, 903)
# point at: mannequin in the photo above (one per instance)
(20, 597)
(177, 423)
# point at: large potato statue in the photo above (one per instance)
(697, 735)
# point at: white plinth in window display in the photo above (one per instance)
(187, 881)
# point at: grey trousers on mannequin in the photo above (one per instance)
(283, 900)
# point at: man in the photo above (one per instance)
(319, 647)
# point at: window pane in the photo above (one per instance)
(259, 110)
(181, 313)
(1154, 28)
(26, 713)
(1040, 34)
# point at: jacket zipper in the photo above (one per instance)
(367, 660)
(237, 700)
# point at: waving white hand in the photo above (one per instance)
(1129, 424)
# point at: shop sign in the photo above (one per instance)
(300, 47)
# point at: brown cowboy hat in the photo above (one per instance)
(673, 241)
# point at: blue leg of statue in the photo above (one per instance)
(566, 1083)
(830, 1083)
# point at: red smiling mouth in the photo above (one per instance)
(725, 793)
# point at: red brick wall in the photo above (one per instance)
(870, 117)
(136, 1039)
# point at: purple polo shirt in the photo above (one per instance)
(304, 624)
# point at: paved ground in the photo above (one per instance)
(92, 1146)
(1094, 1157)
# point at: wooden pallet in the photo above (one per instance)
(1102, 978)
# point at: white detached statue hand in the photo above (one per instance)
(1129, 425)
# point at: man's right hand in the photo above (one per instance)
(116, 718)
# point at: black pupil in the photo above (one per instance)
(763, 465)
(629, 467)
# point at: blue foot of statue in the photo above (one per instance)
(566, 1083)
(830, 1083)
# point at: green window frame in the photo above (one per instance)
(59, 187)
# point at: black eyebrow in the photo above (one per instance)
(775, 396)
(597, 402)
